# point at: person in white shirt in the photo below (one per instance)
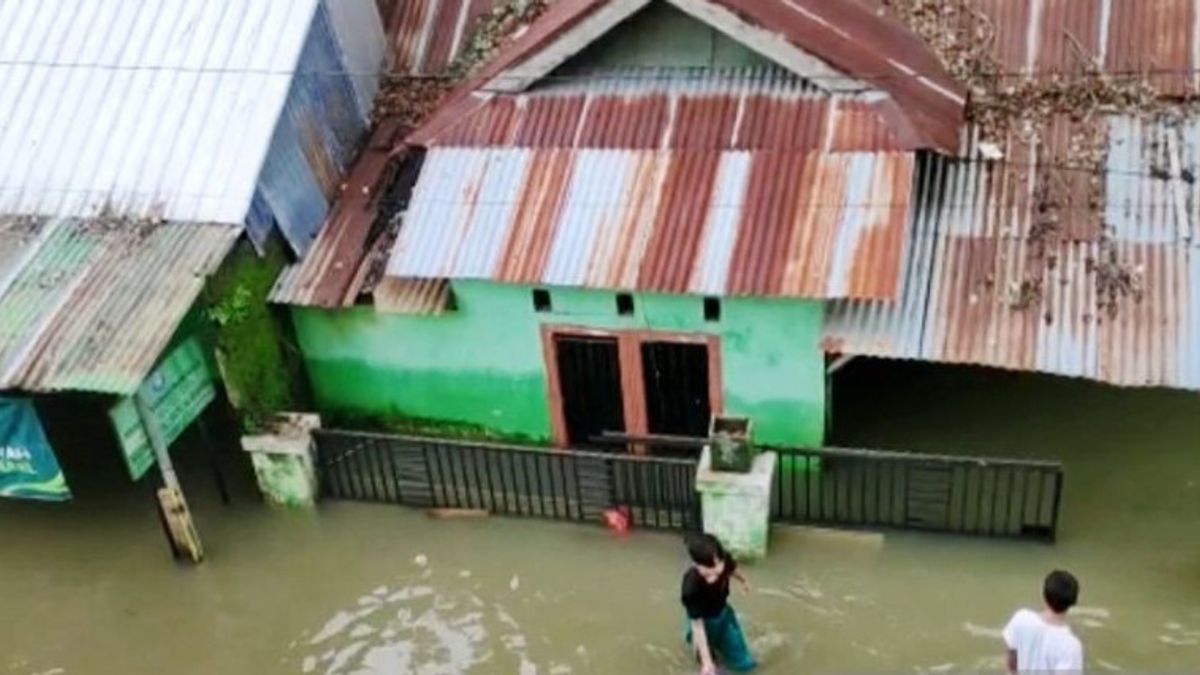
(1042, 642)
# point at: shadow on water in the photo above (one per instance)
(1132, 456)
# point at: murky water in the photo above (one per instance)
(376, 589)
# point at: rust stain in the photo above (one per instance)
(325, 170)
(406, 28)
(549, 122)
(445, 30)
(638, 218)
(705, 123)
(625, 122)
(680, 221)
(535, 223)
(875, 271)
(1153, 35)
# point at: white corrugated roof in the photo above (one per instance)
(142, 107)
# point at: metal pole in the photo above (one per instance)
(157, 442)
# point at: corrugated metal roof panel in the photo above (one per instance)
(420, 297)
(159, 108)
(926, 106)
(1121, 306)
(683, 221)
(89, 305)
(1127, 37)
(427, 35)
(701, 109)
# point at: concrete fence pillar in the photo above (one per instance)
(283, 460)
(737, 506)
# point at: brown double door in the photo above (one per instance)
(638, 385)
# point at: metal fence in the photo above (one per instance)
(828, 487)
(874, 489)
(507, 480)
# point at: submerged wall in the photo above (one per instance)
(479, 370)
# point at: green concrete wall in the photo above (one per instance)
(479, 371)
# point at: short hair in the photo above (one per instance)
(1061, 591)
(704, 549)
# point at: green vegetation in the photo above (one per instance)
(255, 354)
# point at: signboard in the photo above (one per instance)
(28, 468)
(176, 392)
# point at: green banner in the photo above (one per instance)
(176, 392)
(28, 467)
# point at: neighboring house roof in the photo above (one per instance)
(1112, 293)
(678, 108)
(427, 35)
(838, 45)
(730, 182)
(147, 108)
(90, 305)
(1159, 39)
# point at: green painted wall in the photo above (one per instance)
(662, 36)
(480, 371)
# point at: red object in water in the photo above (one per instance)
(617, 519)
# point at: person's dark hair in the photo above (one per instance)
(1061, 591)
(704, 549)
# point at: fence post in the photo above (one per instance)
(1058, 490)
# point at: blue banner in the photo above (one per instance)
(28, 468)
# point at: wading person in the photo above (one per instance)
(713, 628)
(1043, 641)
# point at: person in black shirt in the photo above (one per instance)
(713, 627)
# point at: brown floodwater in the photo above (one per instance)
(87, 587)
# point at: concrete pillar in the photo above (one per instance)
(283, 460)
(737, 506)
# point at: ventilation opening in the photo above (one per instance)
(541, 300)
(712, 309)
(624, 304)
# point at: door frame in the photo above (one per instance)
(629, 357)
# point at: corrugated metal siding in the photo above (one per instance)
(316, 139)
(327, 275)
(710, 109)
(90, 304)
(970, 299)
(358, 28)
(142, 107)
(813, 225)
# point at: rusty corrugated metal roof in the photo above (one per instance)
(813, 225)
(89, 305)
(1157, 38)
(927, 105)
(1112, 295)
(683, 108)
(329, 274)
(427, 35)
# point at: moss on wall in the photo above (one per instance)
(256, 355)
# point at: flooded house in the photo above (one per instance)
(634, 214)
(141, 143)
